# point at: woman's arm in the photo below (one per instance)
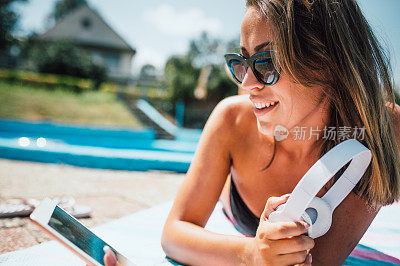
(184, 238)
(350, 220)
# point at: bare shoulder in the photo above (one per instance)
(236, 111)
(225, 123)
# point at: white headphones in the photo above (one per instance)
(303, 204)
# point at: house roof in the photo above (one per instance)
(86, 27)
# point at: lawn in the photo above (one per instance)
(33, 102)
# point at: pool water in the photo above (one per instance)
(96, 147)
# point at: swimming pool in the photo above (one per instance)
(96, 147)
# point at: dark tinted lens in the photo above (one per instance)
(238, 69)
(265, 69)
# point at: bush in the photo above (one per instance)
(64, 58)
(108, 87)
(46, 80)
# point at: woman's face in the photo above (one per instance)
(293, 104)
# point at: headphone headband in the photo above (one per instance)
(322, 171)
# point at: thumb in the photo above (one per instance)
(272, 204)
(109, 257)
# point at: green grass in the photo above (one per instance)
(33, 102)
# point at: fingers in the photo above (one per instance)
(272, 204)
(308, 260)
(109, 257)
(294, 244)
(279, 230)
(297, 258)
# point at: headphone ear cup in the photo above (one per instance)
(306, 218)
(319, 215)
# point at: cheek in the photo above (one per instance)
(299, 105)
(296, 103)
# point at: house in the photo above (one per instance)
(87, 29)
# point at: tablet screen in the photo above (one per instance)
(78, 234)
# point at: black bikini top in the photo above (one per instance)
(244, 217)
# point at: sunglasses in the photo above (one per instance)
(260, 63)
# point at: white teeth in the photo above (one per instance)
(263, 105)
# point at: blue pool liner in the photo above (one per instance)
(98, 147)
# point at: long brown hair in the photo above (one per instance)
(330, 43)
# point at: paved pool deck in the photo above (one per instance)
(110, 193)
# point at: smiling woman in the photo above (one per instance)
(315, 71)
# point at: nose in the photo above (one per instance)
(250, 82)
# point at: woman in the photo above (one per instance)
(328, 72)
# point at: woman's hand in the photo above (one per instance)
(280, 243)
(109, 257)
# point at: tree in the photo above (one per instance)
(219, 84)
(180, 78)
(206, 51)
(64, 58)
(182, 73)
(63, 7)
(148, 72)
(8, 23)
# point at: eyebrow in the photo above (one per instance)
(257, 48)
(260, 46)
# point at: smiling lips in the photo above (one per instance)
(262, 105)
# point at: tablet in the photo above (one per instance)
(72, 234)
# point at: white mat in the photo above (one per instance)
(137, 236)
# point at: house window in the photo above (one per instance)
(86, 23)
(112, 61)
